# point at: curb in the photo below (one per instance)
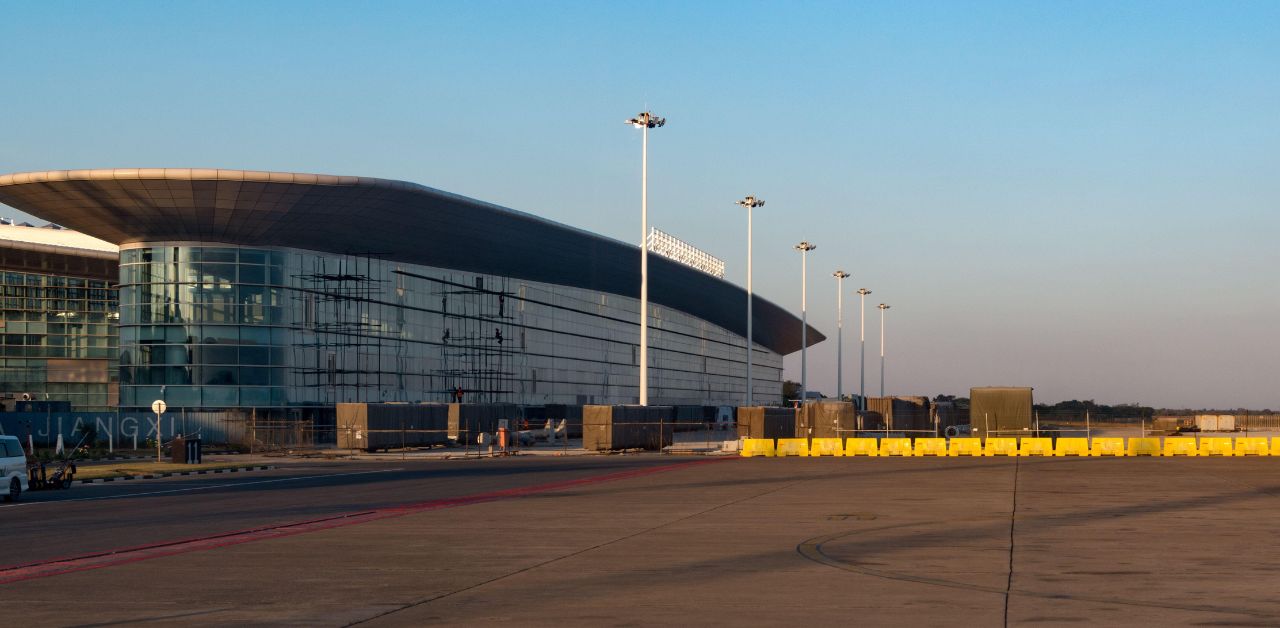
(152, 476)
(106, 459)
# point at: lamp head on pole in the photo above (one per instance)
(646, 119)
(883, 306)
(805, 246)
(840, 274)
(751, 201)
(863, 291)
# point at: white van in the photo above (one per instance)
(13, 468)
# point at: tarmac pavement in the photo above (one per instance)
(627, 540)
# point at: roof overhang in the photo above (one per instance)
(381, 218)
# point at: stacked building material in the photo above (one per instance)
(911, 413)
(827, 419)
(607, 428)
(690, 418)
(766, 422)
(949, 414)
(1000, 411)
(372, 426)
(468, 420)
(898, 413)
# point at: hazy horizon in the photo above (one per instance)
(1080, 198)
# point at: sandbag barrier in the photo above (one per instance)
(881, 447)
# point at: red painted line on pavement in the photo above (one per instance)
(123, 556)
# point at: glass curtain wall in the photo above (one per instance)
(224, 327)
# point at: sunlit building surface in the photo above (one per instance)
(274, 292)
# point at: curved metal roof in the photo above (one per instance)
(383, 218)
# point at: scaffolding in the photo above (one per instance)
(480, 340)
(346, 335)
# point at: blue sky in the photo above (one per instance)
(1080, 197)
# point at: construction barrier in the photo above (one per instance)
(757, 447)
(862, 447)
(1001, 447)
(931, 447)
(895, 447)
(826, 447)
(1252, 446)
(1035, 447)
(1072, 446)
(1183, 446)
(792, 447)
(1144, 446)
(965, 447)
(1216, 446)
(1108, 447)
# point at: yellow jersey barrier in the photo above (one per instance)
(1216, 446)
(1001, 447)
(1144, 446)
(895, 447)
(792, 447)
(964, 447)
(862, 446)
(1035, 446)
(1179, 446)
(1071, 446)
(972, 446)
(826, 447)
(1108, 446)
(757, 447)
(1253, 446)
(930, 447)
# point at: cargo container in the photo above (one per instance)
(606, 428)
(373, 426)
(1000, 411)
(766, 422)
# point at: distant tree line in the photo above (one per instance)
(1099, 411)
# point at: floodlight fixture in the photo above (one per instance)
(646, 120)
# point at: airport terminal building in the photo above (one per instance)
(281, 292)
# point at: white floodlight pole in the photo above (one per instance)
(862, 360)
(750, 203)
(840, 275)
(882, 307)
(645, 121)
(804, 248)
